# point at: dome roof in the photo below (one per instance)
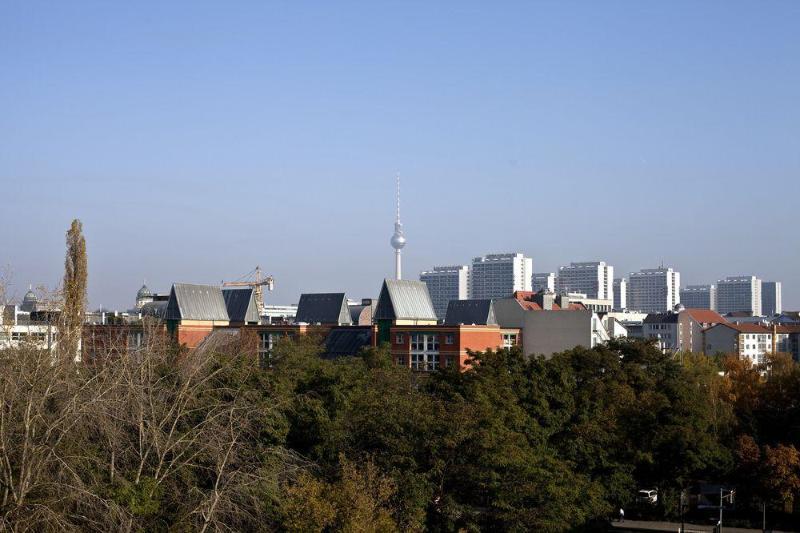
(144, 292)
(30, 296)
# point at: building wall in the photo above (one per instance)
(446, 283)
(720, 339)
(450, 348)
(543, 281)
(670, 334)
(549, 332)
(739, 294)
(771, 301)
(500, 275)
(699, 297)
(653, 290)
(620, 294)
(192, 332)
(594, 279)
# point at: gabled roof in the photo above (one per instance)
(404, 300)
(743, 328)
(661, 318)
(705, 316)
(241, 304)
(154, 309)
(323, 308)
(341, 342)
(196, 302)
(478, 312)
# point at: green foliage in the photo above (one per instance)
(142, 500)
(360, 444)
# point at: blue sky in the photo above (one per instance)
(198, 139)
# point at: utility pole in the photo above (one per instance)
(721, 502)
(764, 517)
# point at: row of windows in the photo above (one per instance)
(426, 362)
(266, 344)
(17, 336)
(419, 341)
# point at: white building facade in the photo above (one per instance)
(620, 294)
(543, 281)
(446, 283)
(653, 290)
(595, 279)
(739, 294)
(699, 297)
(500, 275)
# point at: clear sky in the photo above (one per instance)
(198, 139)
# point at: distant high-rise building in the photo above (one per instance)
(620, 294)
(500, 275)
(699, 297)
(739, 294)
(543, 281)
(771, 304)
(594, 279)
(446, 283)
(653, 290)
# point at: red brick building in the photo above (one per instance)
(429, 348)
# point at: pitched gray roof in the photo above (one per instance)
(241, 305)
(196, 302)
(155, 309)
(346, 341)
(479, 312)
(661, 318)
(323, 308)
(404, 300)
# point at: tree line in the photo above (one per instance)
(170, 440)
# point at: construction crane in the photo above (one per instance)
(257, 285)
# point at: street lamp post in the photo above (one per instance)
(683, 505)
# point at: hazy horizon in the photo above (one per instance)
(198, 140)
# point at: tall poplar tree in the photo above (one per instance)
(75, 274)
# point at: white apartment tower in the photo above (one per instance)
(446, 283)
(543, 281)
(699, 297)
(500, 275)
(620, 294)
(771, 304)
(653, 290)
(594, 279)
(739, 294)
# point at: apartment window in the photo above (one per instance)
(450, 338)
(399, 338)
(266, 344)
(450, 361)
(425, 351)
(509, 340)
(135, 340)
(401, 361)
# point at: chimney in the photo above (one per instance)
(545, 300)
(774, 338)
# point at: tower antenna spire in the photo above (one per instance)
(398, 240)
(397, 219)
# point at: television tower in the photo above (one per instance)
(398, 239)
